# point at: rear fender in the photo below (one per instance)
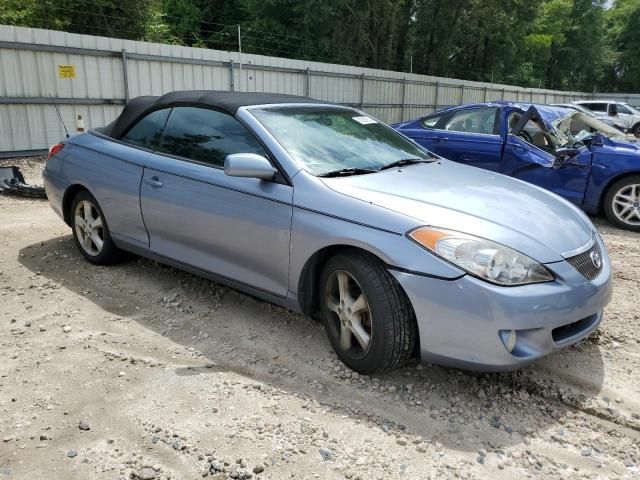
(111, 172)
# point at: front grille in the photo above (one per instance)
(585, 264)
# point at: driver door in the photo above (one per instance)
(236, 228)
(623, 113)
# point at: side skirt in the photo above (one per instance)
(289, 302)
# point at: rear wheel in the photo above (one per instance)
(368, 318)
(90, 231)
(636, 130)
(622, 203)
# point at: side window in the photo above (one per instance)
(478, 120)
(147, 132)
(430, 122)
(207, 136)
(597, 107)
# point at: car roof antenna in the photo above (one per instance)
(59, 116)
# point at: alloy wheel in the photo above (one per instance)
(626, 204)
(89, 227)
(350, 313)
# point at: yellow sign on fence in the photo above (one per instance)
(66, 71)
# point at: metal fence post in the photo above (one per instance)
(308, 83)
(503, 93)
(404, 92)
(232, 80)
(436, 96)
(362, 92)
(125, 75)
(531, 95)
(484, 94)
(461, 94)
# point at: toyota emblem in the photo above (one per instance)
(596, 259)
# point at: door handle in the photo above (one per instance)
(153, 181)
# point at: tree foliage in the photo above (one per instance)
(560, 44)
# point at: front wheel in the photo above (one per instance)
(622, 203)
(366, 314)
(636, 130)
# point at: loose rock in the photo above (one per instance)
(147, 474)
(326, 454)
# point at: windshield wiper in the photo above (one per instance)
(344, 172)
(405, 161)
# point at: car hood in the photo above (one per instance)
(458, 197)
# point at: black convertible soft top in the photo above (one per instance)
(225, 101)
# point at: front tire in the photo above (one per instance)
(366, 314)
(91, 232)
(622, 203)
(636, 130)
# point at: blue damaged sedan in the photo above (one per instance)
(563, 150)
(326, 211)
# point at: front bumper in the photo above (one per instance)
(466, 322)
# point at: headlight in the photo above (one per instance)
(482, 258)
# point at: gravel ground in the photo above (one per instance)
(143, 371)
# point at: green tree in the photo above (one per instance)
(622, 59)
(110, 18)
(576, 54)
(474, 39)
(360, 32)
(561, 44)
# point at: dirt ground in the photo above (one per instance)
(143, 371)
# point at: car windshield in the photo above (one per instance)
(633, 110)
(326, 139)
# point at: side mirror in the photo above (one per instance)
(248, 165)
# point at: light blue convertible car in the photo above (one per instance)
(324, 210)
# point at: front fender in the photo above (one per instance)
(342, 220)
(608, 167)
(313, 232)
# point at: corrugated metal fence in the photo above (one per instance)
(95, 76)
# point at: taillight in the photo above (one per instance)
(54, 149)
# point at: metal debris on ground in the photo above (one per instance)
(12, 183)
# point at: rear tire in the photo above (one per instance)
(366, 314)
(636, 130)
(91, 232)
(622, 203)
